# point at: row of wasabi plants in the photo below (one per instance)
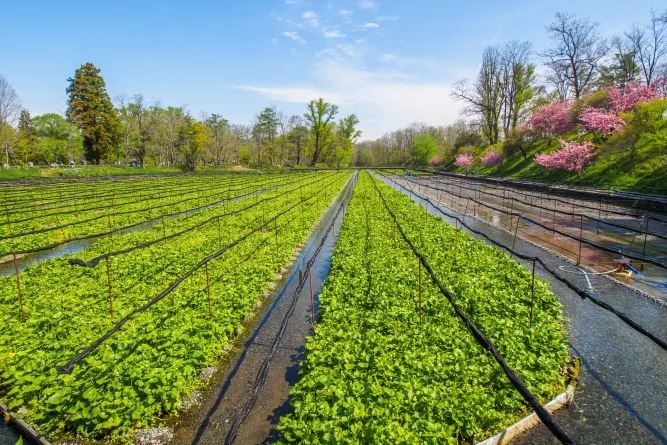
(148, 367)
(390, 362)
(35, 217)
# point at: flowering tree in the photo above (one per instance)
(572, 156)
(464, 160)
(555, 118)
(599, 121)
(435, 161)
(625, 99)
(492, 158)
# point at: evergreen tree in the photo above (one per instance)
(27, 137)
(90, 108)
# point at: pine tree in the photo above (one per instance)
(27, 137)
(90, 109)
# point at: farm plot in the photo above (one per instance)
(390, 362)
(39, 218)
(98, 344)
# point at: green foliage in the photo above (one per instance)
(388, 364)
(595, 99)
(90, 109)
(147, 368)
(197, 138)
(423, 149)
(632, 158)
(320, 116)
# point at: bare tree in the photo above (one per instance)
(517, 83)
(622, 66)
(485, 98)
(650, 45)
(10, 106)
(577, 51)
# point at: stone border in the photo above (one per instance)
(528, 422)
(22, 427)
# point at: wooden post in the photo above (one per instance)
(419, 265)
(532, 295)
(16, 269)
(553, 227)
(466, 209)
(646, 218)
(516, 230)
(581, 232)
(208, 290)
(110, 296)
(312, 299)
(219, 234)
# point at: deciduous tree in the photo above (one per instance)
(650, 46)
(576, 53)
(321, 117)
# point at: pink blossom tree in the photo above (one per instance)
(599, 121)
(572, 156)
(464, 160)
(555, 118)
(626, 98)
(492, 158)
(435, 161)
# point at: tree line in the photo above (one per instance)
(499, 101)
(137, 132)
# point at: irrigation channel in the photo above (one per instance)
(248, 397)
(597, 233)
(622, 394)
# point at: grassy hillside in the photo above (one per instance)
(634, 158)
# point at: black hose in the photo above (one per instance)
(69, 366)
(481, 338)
(583, 294)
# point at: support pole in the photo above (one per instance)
(581, 232)
(516, 230)
(208, 291)
(419, 265)
(16, 270)
(532, 295)
(312, 299)
(110, 294)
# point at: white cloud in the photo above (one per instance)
(294, 36)
(387, 18)
(274, 41)
(345, 12)
(297, 94)
(312, 18)
(384, 100)
(370, 25)
(368, 4)
(333, 34)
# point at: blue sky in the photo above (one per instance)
(389, 62)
